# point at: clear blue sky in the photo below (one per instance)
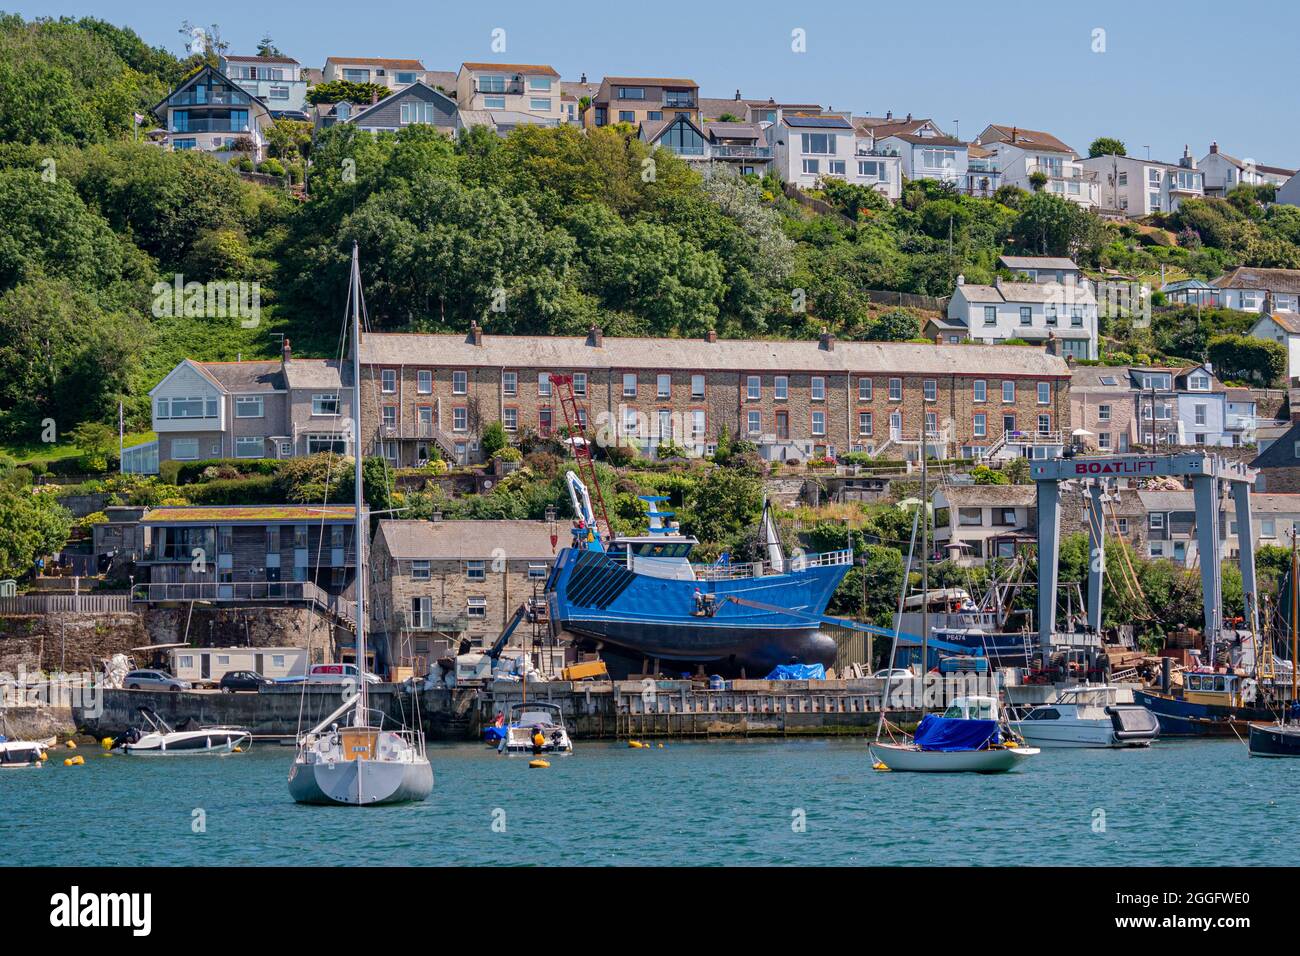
(1171, 73)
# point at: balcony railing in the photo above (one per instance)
(1066, 174)
(261, 592)
(211, 126)
(220, 98)
(742, 152)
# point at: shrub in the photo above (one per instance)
(272, 167)
(494, 439)
(508, 454)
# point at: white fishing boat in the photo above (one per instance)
(15, 754)
(1101, 715)
(527, 720)
(158, 738)
(361, 763)
(968, 738)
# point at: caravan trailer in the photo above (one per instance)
(209, 664)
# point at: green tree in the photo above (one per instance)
(722, 504)
(1244, 357)
(494, 439)
(32, 525)
(1106, 146)
(896, 325)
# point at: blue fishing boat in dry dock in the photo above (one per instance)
(644, 605)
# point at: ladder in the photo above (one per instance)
(582, 446)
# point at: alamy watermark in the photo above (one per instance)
(209, 300)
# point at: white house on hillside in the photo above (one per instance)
(1033, 311)
(1283, 328)
(1139, 187)
(807, 149)
(1020, 153)
(926, 151)
(1223, 172)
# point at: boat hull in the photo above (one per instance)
(905, 757)
(1181, 718)
(1274, 740)
(216, 740)
(1083, 733)
(636, 619)
(360, 782)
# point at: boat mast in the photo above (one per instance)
(925, 567)
(1295, 606)
(359, 520)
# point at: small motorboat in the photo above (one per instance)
(968, 738)
(1100, 715)
(525, 721)
(1278, 739)
(15, 754)
(159, 738)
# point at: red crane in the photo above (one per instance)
(576, 424)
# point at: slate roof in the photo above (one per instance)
(1026, 292)
(1290, 321)
(245, 376)
(377, 61)
(1029, 138)
(1038, 262)
(466, 540)
(259, 59)
(535, 351)
(512, 67)
(1251, 277)
(991, 496)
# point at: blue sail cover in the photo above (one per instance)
(946, 733)
(797, 672)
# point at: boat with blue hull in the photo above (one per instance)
(640, 601)
(1209, 704)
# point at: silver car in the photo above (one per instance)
(154, 680)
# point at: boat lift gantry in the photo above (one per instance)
(1207, 472)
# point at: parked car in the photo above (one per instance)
(232, 681)
(337, 674)
(154, 680)
(896, 673)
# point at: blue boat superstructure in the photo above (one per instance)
(642, 603)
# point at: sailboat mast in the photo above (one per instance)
(1295, 606)
(359, 519)
(925, 566)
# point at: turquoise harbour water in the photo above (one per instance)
(716, 803)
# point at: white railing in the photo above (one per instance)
(270, 592)
(68, 603)
(758, 569)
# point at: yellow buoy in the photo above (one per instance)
(238, 750)
(78, 760)
(538, 763)
(107, 743)
(660, 746)
(71, 745)
(67, 762)
(635, 744)
(44, 755)
(878, 766)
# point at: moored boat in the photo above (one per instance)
(1089, 716)
(527, 721)
(1208, 704)
(158, 738)
(968, 738)
(15, 754)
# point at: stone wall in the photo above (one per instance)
(71, 642)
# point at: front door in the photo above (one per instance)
(205, 666)
(782, 424)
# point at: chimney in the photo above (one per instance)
(286, 351)
(475, 333)
(1013, 134)
(997, 283)
(583, 78)
(595, 337)
(961, 279)
(737, 96)
(1188, 161)
(1052, 347)
(374, 97)
(711, 335)
(827, 341)
(938, 338)
(909, 117)
(1214, 148)
(889, 114)
(436, 516)
(1069, 360)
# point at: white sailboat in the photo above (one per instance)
(359, 763)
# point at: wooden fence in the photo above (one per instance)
(65, 603)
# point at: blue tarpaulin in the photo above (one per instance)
(945, 733)
(797, 672)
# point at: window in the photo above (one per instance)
(631, 422)
(476, 607)
(1200, 411)
(819, 423)
(818, 393)
(1103, 413)
(388, 380)
(389, 413)
(544, 420)
(494, 102)
(755, 418)
(753, 388)
(248, 406)
(781, 388)
(537, 569)
(698, 423)
(420, 570)
(1026, 315)
(1076, 316)
(1268, 528)
(336, 444)
(823, 143)
(1156, 521)
(835, 167)
(864, 389)
(510, 383)
(188, 408)
(540, 104)
(424, 381)
(895, 389)
(990, 315)
(663, 386)
(1008, 392)
(930, 389)
(679, 98)
(1198, 382)
(865, 423)
(1044, 393)
(979, 390)
(697, 386)
(459, 383)
(629, 384)
(579, 383)
(325, 404)
(460, 419)
(626, 116)
(630, 92)
(1049, 313)
(510, 419)
(543, 384)
(416, 113)
(185, 449)
(811, 167)
(654, 115)
(250, 446)
(980, 428)
(1044, 424)
(869, 169)
(475, 570)
(357, 76)
(539, 84)
(405, 78)
(931, 425)
(1103, 441)
(970, 517)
